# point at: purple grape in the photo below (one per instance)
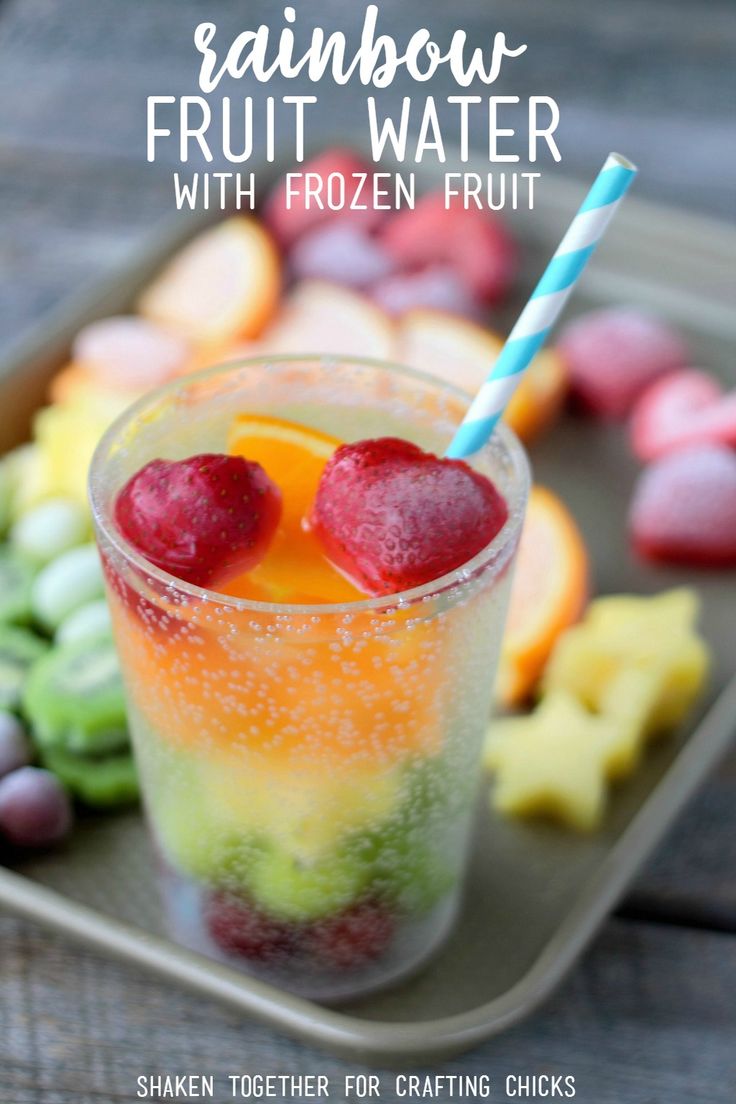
(340, 253)
(433, 288)
(15, 751)
(35, 809)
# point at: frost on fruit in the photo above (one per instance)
(631, 670)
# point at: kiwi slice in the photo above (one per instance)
(16, 579)
(19, 649)
(102, 782)
(291, 889)
(74, 698)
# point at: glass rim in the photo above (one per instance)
(102, 514)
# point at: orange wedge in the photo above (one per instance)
(549, 593)
(223, 285)
(294, 569)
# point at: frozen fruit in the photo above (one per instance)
(548, 594)
(463, 352)
(73, 698)
(16, 583)
(683, 408)
(19, 649)
(353, 937)
(319, 317)
(552, 762)
(683, 508)
(634, 655)
(15, 750)
(540, 395)
(474, 243)
(66, 583)
(66, 436)
(393, 517)
(98, 781)
(35, 810)
(204, 519)
(90, 620)
(341, 252)
(223, 286)
(130, 353)
(52, 527)
(614, 354)
(239, 928)
(292, 889)
(437, 287)
(22, 483)
(288, 218)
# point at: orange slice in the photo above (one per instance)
(223, 285)
(294, 569)
(539, 397)
(549, 593)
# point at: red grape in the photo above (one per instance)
(35, 809)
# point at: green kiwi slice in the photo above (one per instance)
(19, 649)
(74, 698)
(16, 579)
(106, 782)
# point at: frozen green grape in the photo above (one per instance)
(47, 530)
(91, 620)
(68, 582)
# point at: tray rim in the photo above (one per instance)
(343, 1033)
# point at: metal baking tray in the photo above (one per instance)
(535, 894)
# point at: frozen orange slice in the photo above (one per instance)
(222, 286)
(462, 352)
(549, 593)
(294, 569)
(539, 397)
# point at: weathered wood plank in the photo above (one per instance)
(651, 78)
(648, 1016)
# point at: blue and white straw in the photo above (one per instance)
(547, 300)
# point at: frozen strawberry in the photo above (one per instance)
(475, 244)
(353, 937)
(238, 928)
(204, 519)
(393, 517)
(683, 408)
(435, 288)
(684, 508)
(288, 223)
(614, 354)
(340, 252)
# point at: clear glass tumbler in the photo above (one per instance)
(308, 771)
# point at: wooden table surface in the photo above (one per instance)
(650, 1013)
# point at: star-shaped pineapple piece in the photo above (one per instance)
(654, 638)
(553, 762)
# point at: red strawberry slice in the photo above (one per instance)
(238, 928)
(474, 243)
(353, 937)
(614, 354)
(683, 408)
(393, 517)
(288, 223)
(684, 508)
(204, 519)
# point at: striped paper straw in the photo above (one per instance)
(547, 300)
